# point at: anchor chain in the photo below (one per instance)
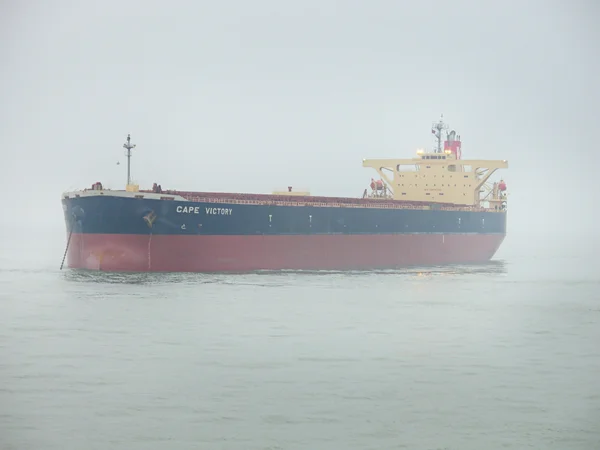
(149, 219)
(68, 242)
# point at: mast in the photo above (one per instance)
(436, 129)
(129, 147)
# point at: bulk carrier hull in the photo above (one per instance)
(123, 231)
(426, 210)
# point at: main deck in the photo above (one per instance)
(276, 200)
(314, 201)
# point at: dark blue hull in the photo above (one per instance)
(106, 214)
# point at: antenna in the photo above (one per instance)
(436, 129)
(129, 147)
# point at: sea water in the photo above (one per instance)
(498, 355)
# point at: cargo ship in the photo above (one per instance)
(430, 209)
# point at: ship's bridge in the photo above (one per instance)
(447, 154)
(439, 176)
(436, 177)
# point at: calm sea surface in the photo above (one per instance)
(502, 355)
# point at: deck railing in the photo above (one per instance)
(331, 202)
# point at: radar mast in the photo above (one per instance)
(129, 146)
(436, 129)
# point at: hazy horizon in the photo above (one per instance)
(252, 97)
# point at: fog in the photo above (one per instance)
(257, 96)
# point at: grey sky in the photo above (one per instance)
(258, 95)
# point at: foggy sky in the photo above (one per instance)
(258, 95)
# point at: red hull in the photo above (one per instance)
(163, 253)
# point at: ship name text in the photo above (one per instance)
(209, 210)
